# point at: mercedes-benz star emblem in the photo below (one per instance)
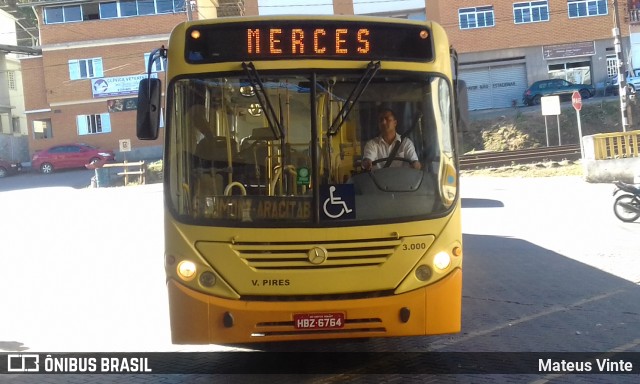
(317, 255)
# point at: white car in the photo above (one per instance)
(633, 80)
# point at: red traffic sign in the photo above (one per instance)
(576, 100)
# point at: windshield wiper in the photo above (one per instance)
(273, 120)
(372, 69)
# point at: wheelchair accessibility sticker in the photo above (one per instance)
(338, 201)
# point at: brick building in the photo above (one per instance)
(505, 45)
(83, 88)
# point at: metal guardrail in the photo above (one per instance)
(139, 170)
(618, 145)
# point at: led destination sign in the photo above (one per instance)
(308, 40)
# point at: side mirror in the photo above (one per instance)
(148, 118)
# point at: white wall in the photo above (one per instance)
(635, 50)
(13, 145)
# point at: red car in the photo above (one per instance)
(8, 168)
(69, 156)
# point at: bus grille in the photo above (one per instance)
(333, 297)
(280, 256)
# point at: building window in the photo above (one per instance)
(62, 14)
(15, 122)
(110, 10)
(85, 68)
(11, 80)
(531, 12)
(71, 13)
(126, 8)
(159, 63)
(478, 17)
(578, 72)
(42, 129)
(612, 66)
(586, 8)
(146, 7)
(168, 6)
(92, 124)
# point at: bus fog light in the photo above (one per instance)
(442, 260)
(423, 272)
(207, 279)
(186, 270)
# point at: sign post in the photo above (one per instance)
(550, 105)
(125, 146)
(576, 101)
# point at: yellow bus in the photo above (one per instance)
(273, 230)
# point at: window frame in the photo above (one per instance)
(612, 66)
(591, 8)
(12, 83)
(531, 7)
(105, 10)
(132, 8)
(65, 10)
(90, 68)
(93, 124)
(477, 14)
(41, 129)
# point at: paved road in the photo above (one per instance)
(562, 214)
(547, 268)
(29, 179)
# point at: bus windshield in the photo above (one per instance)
(247, 153)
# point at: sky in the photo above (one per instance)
(325, 7)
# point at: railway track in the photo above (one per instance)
(523, 156)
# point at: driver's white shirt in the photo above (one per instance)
(377, 148)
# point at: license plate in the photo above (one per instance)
(318, 320)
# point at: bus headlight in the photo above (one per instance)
(442, 260)
(186, 270)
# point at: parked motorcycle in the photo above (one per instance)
(627, 206)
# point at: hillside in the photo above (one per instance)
(524, 127)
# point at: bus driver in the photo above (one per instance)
(381, 147)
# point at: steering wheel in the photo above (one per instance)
(384, 159)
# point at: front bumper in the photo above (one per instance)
(197, 318)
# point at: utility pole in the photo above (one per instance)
(190, 5)
(622, 76)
